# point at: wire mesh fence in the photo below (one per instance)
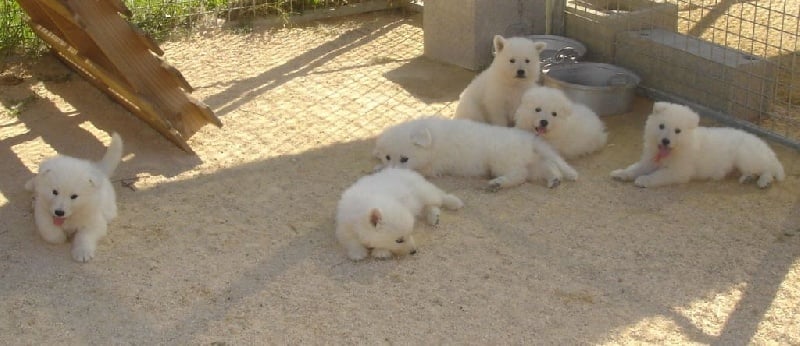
(735, 60)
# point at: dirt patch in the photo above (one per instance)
(235, 244)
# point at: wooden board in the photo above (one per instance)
(97, 41)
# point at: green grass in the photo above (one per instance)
(159, 18)
(15, 36)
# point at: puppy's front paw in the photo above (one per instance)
(82, 253)
(433, 216)
(552, 183)
(496, 184)
(571, 174)
(620, 174)
(642, 181)
(53, 236)
(381, 253)
(357, 253)
(452, 202)
(764, 181)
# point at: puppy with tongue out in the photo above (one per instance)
(75, 197)
(677, 150)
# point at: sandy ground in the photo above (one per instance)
(234, 245)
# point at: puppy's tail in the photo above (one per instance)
(113, 155)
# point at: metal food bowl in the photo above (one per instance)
(558, 44)
(606, 89)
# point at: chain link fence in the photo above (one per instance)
(736, 61)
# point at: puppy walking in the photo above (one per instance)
(376, 214)
(75, 196)
(571, 128)
(435, 146)
(677, 150)
(493, 96)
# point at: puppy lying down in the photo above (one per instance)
(437, 146)
(571, 128)
(376, 215)
(75, 197)
(677, 150)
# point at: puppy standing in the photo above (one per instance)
(677, 150)
(493, 96)
(75, 196)
(377, 213)
(435, 146)
(571, 128)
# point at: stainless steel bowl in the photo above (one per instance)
(557, 43)
(606, 89)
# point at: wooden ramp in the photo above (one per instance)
(96, 40)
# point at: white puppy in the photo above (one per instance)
(377, 213)
(677, 150)
(493, 96)
(435, 146)
(75, 196)
(571, 128)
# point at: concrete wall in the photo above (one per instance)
(596, 23)
(721, 78)
(460, 32)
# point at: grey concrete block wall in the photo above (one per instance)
(718, 77)
(596, 23)
(460, 32)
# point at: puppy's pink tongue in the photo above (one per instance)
(663, 152)
(58, 221)
(541, 130)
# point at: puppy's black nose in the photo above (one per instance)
(520, 73)
(413, 252)
(543, 123)
(665, 141)
(59, 212)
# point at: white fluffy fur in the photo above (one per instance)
(75, 196)
(677, 150)
(436, 146)
(493, 96)
(571, 128)
(376, 214)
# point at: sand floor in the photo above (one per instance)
(234, 245)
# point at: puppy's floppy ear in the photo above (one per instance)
(30, 185)
(95, 179)
(422, 138)
(375, 217)
(659, 107)
(539, 46)
(499, 43)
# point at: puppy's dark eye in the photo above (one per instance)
(403, 159)
(661, 126)
(677, 131)
(400, 240)
(554, 114)
(388, 158)
(538, 109)
(55, 192)
(527, 61)
(513, 60)
(73, 196)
